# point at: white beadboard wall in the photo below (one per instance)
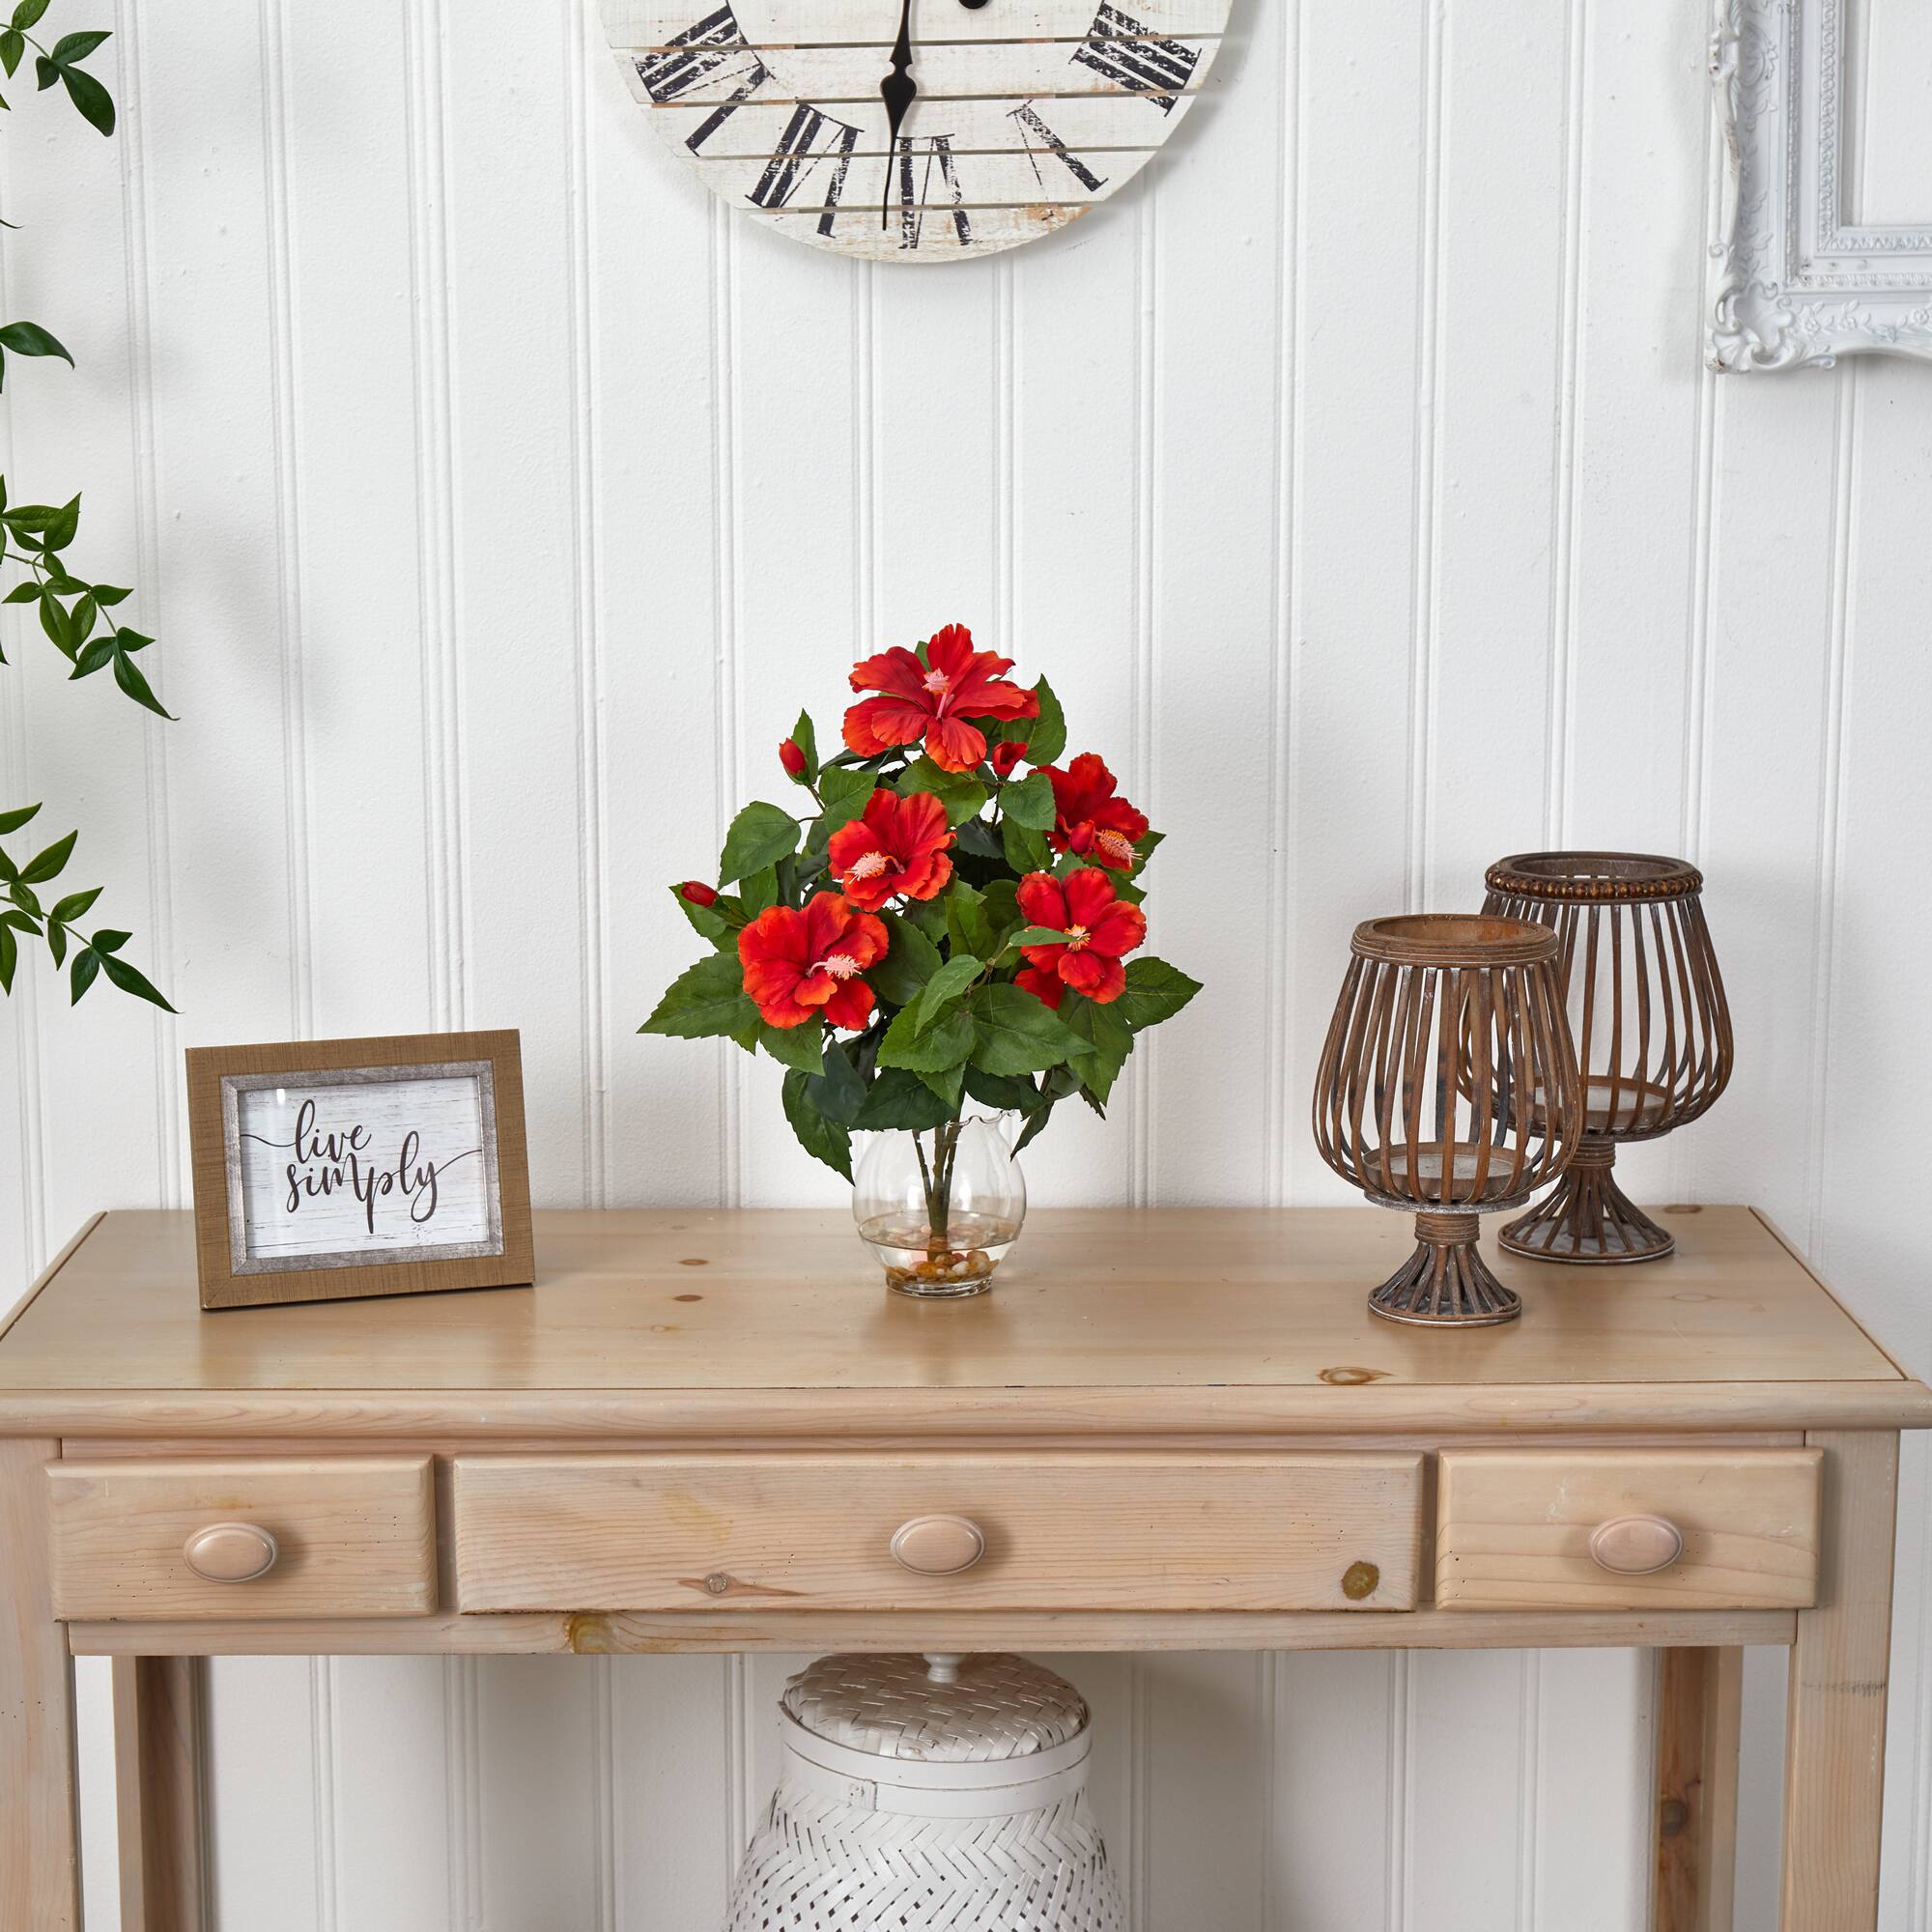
(497, 496)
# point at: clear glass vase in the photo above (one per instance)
(940, 1206)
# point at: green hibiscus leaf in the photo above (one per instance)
(706, 921)
(799, 1047)
(1155, 991)
(805, 735)
(760, 835)
(959, 792)
(911, 961)
(967, 926)
(1027, 850)
(945, 1043)
(1015, 1033)
(1109, 1041)
(946, 1084)
(822, 1138)
(1029, 802)
(948, 984)
(1007, 1092)
(837, 1090)
(846, 794)
(902, 1100)
(707, 1000)
(29, 338)
(1046, 736)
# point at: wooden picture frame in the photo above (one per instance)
(353, 1212)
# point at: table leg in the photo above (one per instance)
(158, 1789)
(1834, 1738)
(40, 1868)
(1700, 1704)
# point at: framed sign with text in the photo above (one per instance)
(327, 1169)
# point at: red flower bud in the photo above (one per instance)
(791, 756)
(698, 893)
(1007, 756)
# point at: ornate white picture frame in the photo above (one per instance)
(1794, 282)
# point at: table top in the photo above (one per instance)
(774, 1322)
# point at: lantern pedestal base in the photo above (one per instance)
(1588, 1218)
(1446, 1284)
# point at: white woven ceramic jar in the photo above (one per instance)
(921, 1794)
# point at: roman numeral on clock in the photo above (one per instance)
(715, 46)
(809, 138)
(1124, 51)
(1040, 139)
(918, 166)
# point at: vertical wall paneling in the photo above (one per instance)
(497, 496)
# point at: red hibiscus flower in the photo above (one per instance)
(1101, 931)
(800, 964)
(1088, 819)
(934, 701)
(898, 847)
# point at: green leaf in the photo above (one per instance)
(28, 12)
(56, 937)
(12, 821)
(967, 926)
(128, 675)
(1029, 802)
(47, 865)
(1000, 898)
(1036, 1126)
(22, 593)
(75, 906)
(1007, 1092)
(92, 656)
(54, 622)
(847, 793)
(109, 942)
(805, 737)
(799, 1047)
(910, 962)
(1015, 1033)
(902, 1100)
(707, 921)
(705, 1000)
(80, 977)
(105, 594)
(946, 1083)
(759, 893)
(62, 525)
(1046, 734)
(823, 1139)
(1027, 850)
(1155, 991)
(75, 46)
(12, 45)
(760, 835)
(1109, 1041)
(29, 338)
(1038, 935)
(944, 1045)
(948, 984)
(837, 1092)
(9, 955)
(961, 794)
(129, 981)
(45, 73)
(96, 103)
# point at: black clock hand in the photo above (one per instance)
(898, 90)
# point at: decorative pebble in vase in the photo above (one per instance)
(941, 1208)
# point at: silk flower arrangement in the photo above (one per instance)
(957, 918)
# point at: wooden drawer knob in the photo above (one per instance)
(939, 1546)
(231, 1552)
(1636, 1545)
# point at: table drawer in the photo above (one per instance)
(1627, 1530)
(1072, 1532)
(341, 1537)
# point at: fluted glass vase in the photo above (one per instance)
(940, 1206)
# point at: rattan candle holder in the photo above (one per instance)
(1651, 1023)
(1448, 1086)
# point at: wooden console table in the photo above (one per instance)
(1177, 1429)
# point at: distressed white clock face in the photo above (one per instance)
(1027, 111)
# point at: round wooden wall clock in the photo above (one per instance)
(915, 130)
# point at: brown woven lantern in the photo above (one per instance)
(1448, 1086)
(1652, 1027)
